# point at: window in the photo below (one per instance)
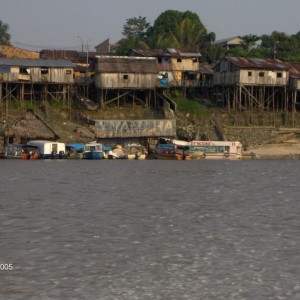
(179, 60)
(125, 77)
(249, 74)
(69, 72)
(44, 71)
(261, 74)
(279, 75)
(195, 60)
(159, 60)
(24, 70)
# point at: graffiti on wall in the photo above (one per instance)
(135, 128)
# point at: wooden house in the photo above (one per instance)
(230, 43)
(29, 126)
(294, 86)
(35, 78)
(163, 61)
(251, 83)
(119, 78)
(117, 72)
(36, 71)
(185, 66)
(178, 65)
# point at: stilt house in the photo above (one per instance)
(247, 84)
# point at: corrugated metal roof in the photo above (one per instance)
(257, 63)
(169, 52)
(205, 68)
(119, 64)
(149, 52)
(36, 63)
(294, 68)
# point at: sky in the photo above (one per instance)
(71, 24)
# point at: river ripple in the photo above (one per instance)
(76, 229)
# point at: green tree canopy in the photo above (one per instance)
(4, 35)
(136, 27)
(176, 29)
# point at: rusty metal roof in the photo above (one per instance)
(257, 63)
(294, 69)
(169, 52)
(205, 68)
(148, 52)
(126, 64)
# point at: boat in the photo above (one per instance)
(170, 151)
(118, 152)
(135, 151)
(93, 151)
(74, 150)
(49, 149)
(215, 150)
(21, 151)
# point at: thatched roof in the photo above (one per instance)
(30, 126)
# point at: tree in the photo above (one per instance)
(249, 41)
(136, 27)
(131, 42)
(4, 35)
(176, 29)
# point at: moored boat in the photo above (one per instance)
(49, 149)
(215, 150)
(74, 150)
(93, 151)
(20, 151)
(135, 151)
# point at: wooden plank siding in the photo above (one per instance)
(232, 71)
(126, 73)
(36, 71)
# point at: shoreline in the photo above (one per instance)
(289, 150)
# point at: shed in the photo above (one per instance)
(29, 126)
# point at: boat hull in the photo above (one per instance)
(93, 155)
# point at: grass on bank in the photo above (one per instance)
(191, 105)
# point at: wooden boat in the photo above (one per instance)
(21, 151)
(215, 150)
(135, 151)
(93, 151)
(170, 151)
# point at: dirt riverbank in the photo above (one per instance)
(286, 150)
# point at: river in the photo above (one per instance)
(153, 229)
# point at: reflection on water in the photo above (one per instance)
(111, 229)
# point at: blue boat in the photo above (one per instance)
(93, 151)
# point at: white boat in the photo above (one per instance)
(49, 149)
(215, 150)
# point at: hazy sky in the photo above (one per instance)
(56, 24)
